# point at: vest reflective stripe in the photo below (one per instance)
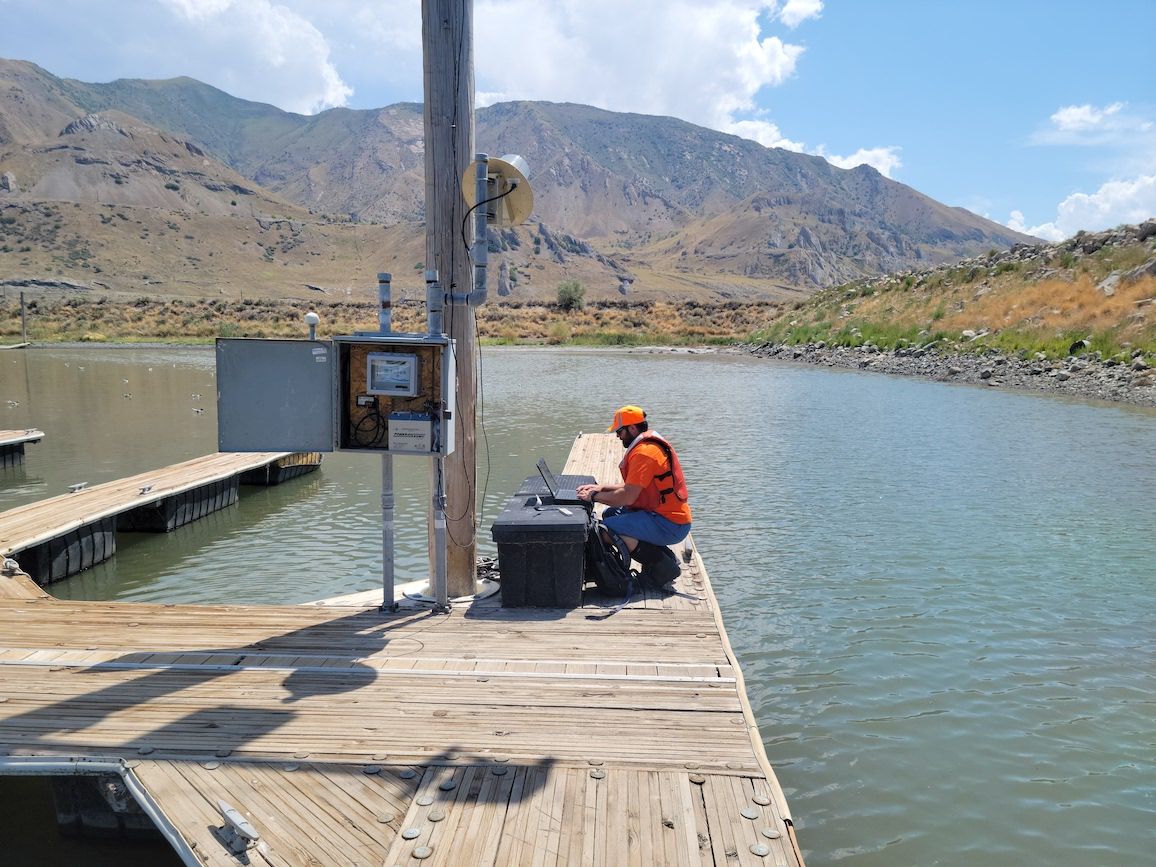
(663, 485)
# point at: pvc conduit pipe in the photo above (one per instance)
(385, 303)
(480, 253)
(435, 304)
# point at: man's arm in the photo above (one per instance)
(610, 495)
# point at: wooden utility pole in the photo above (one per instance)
(448, 49)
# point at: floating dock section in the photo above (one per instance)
(12, 444)
(342, 734)
(61, 536)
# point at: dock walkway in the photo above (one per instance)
(19, 437)
(12, 444)
(345, 735)
(72, 531)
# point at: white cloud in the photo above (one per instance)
(884, 160)
(765, 133)
(1116, 202)
(795, 12)
(257, 49)
(1075, 118)
(1090, 125)
(704, 63)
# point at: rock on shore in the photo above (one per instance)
(1084, 376)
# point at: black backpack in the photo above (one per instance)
(608, 565)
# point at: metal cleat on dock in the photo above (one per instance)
(144, 489)
(79, 486)
(10, 567)
(237, 833)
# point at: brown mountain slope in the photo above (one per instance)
(626, 203)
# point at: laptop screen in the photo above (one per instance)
(547, 477)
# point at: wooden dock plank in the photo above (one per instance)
(595, 724)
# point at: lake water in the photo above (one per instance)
(943, 598)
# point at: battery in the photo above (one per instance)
(410, 433)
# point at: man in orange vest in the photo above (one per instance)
(650, 510)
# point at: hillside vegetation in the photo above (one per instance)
(70, 317)
(1094, 293)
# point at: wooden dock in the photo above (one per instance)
(12, 444)
(62, 535)
(346, 735)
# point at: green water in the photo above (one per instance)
(942, 597)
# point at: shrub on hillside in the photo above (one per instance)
(571, 295)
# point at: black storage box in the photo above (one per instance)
(541, 552)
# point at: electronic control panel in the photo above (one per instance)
(395, 393)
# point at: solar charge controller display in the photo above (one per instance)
(391, 373)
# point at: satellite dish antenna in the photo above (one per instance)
(512, 200)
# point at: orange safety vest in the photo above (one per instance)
(672, 483)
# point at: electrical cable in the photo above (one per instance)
(466, 218)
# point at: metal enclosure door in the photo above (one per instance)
(275, 395)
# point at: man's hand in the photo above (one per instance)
(587, 492)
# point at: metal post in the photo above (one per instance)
(385, 326)
(23, 320)
(441, 573)
(388, 603)
(385, 302)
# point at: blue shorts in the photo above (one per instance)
(644, 525)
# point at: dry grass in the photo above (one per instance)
(1059, 305)
(202, 320)
(1013, 306)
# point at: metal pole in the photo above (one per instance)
(388, 603)
(23, 320)
(435, 311)
(441, 576)
(385, 302)
(385, 326)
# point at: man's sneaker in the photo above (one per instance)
(661, 569)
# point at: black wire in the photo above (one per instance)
(466, 219)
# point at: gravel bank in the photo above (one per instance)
(1078, 375)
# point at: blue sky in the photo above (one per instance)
(1039, 115)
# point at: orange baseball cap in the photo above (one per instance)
(627, 415)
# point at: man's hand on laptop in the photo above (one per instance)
(587, 492)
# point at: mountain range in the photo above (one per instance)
(175, 187)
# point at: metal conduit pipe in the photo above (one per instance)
(385, 326)
(441, 575)
(385, 303)
(18, 766)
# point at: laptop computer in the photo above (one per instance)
(561, 496)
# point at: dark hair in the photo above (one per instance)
(643, 426)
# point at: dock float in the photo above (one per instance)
(63, 535)
(12, 444)
(341, 734)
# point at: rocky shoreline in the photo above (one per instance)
(1084, 376)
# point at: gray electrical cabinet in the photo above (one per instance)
(274, 395)
(385, 393)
